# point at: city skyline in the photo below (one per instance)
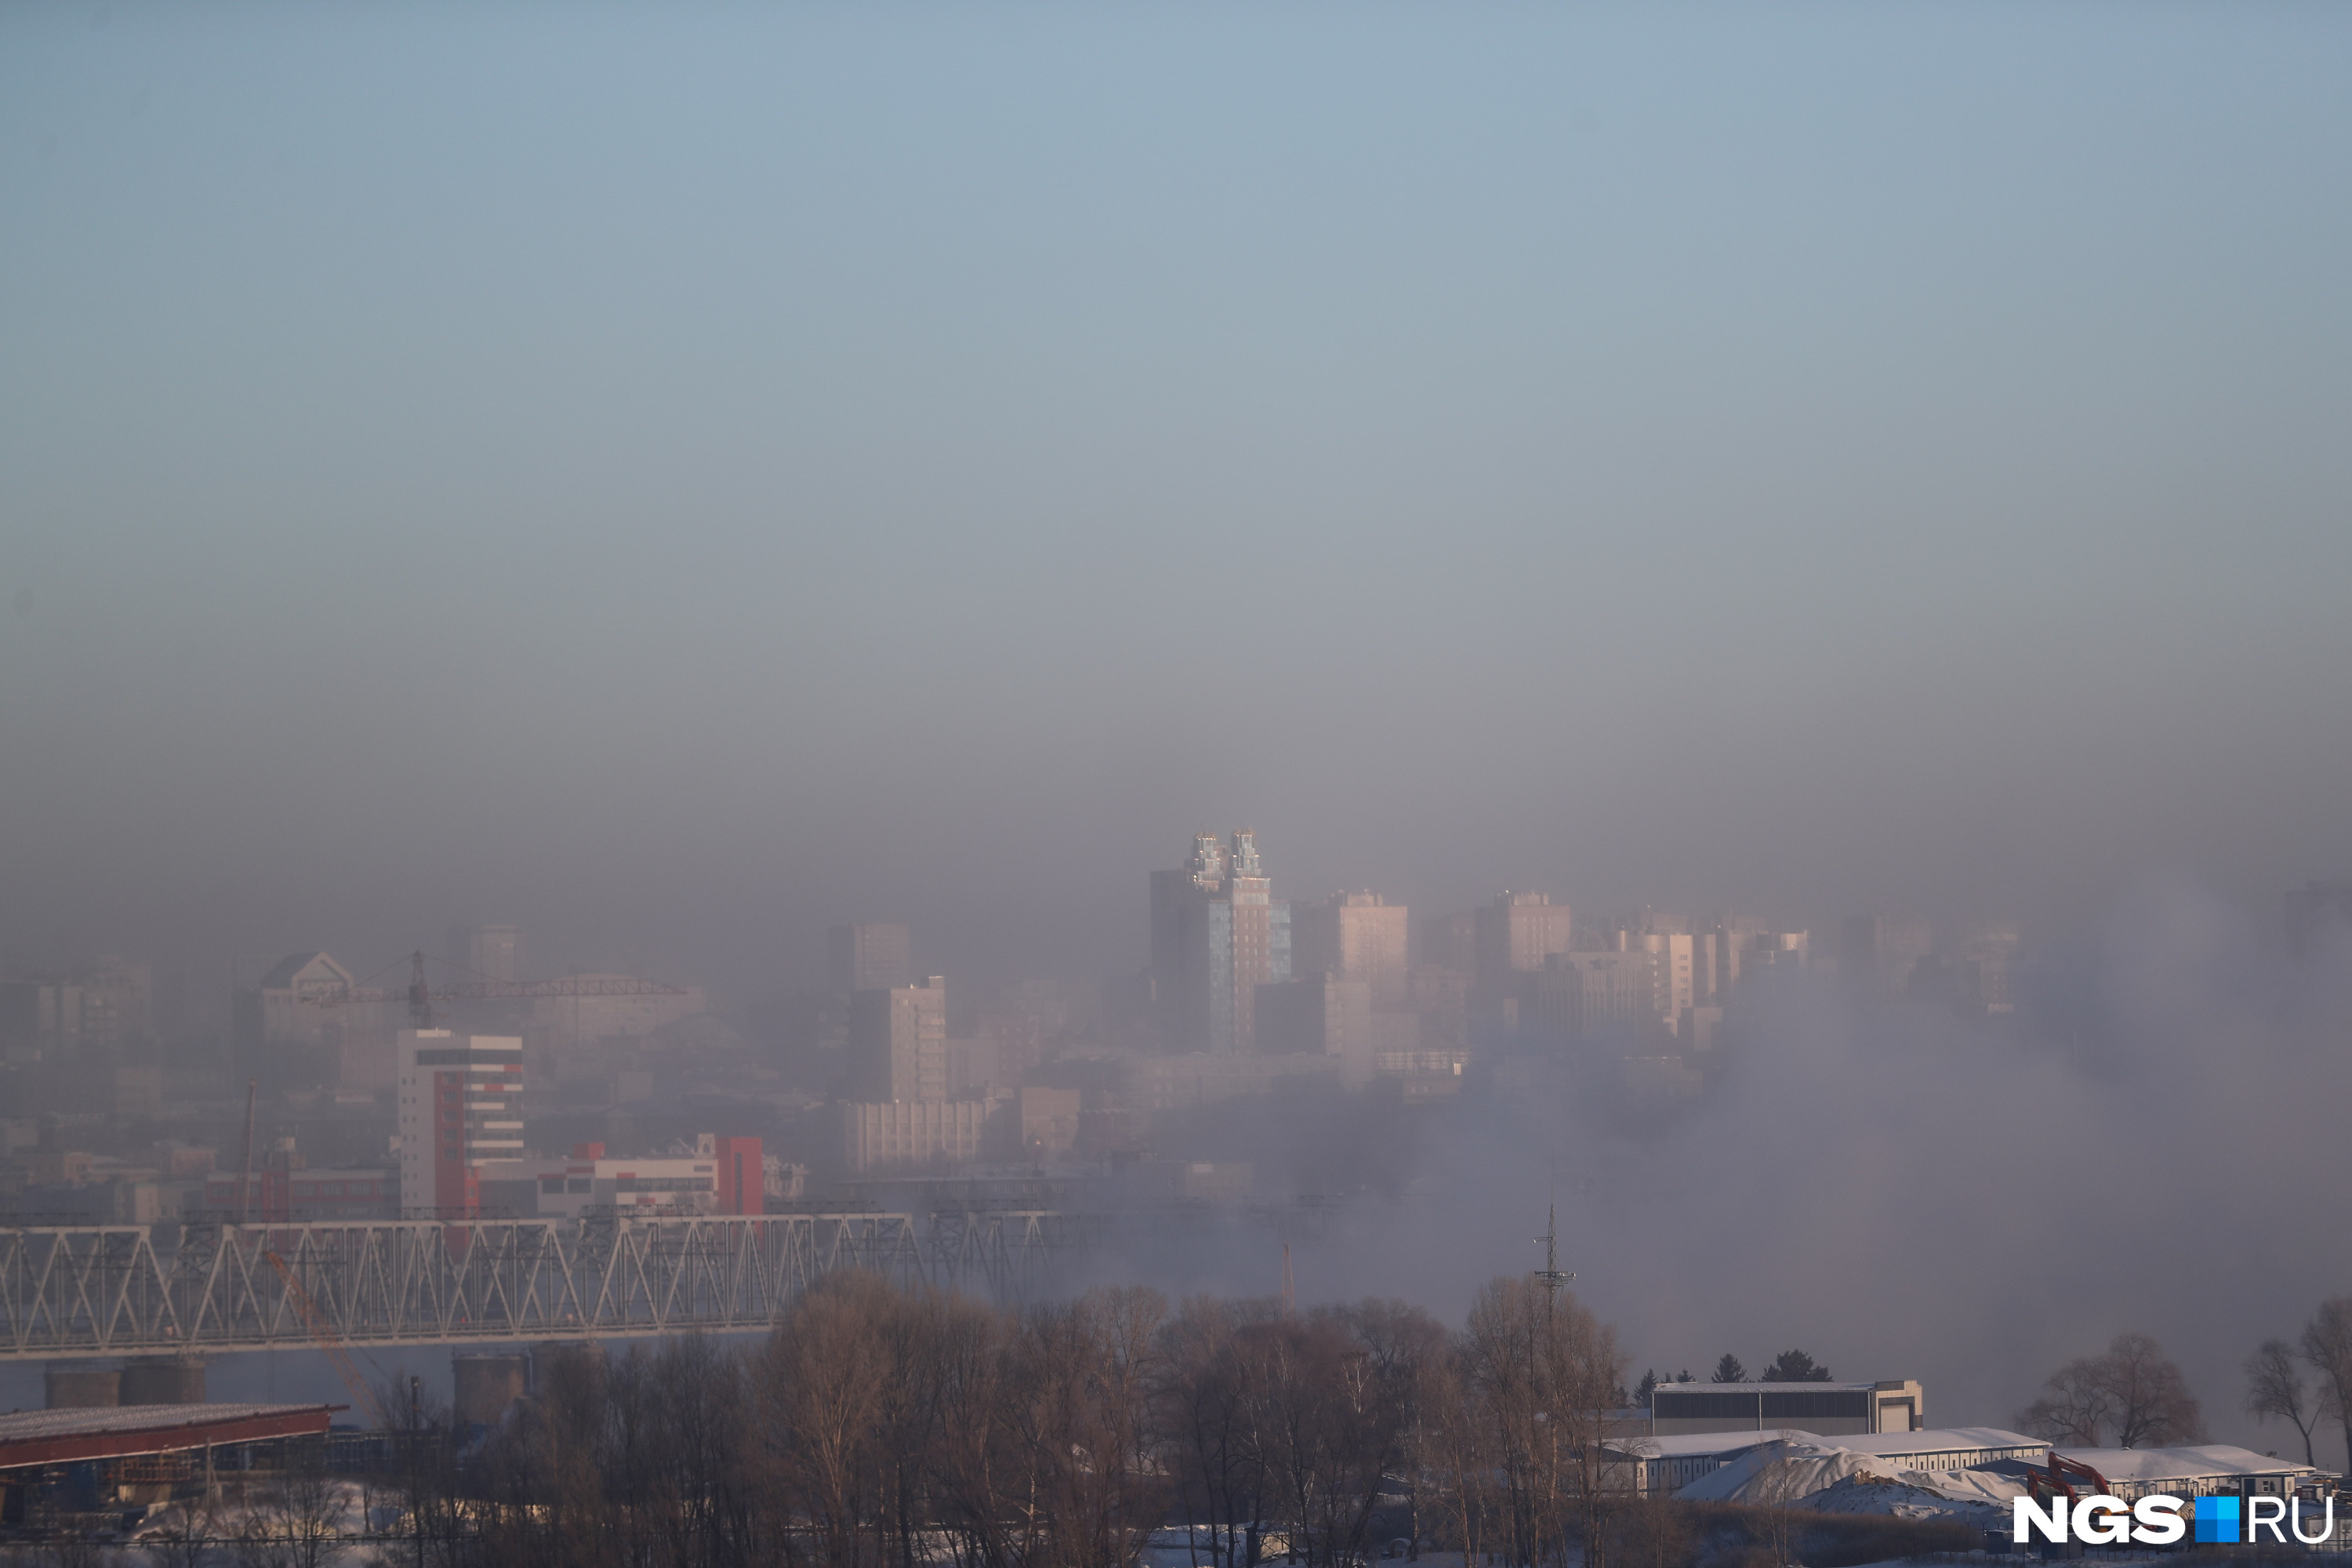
(1284, 656)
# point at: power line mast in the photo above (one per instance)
(1550, 1276)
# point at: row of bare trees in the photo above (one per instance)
(2275, 1376)
(2136, 1396)
(2132, 1392)
(881, 1429)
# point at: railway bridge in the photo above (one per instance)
(81, 1292)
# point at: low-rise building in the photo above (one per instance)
(305, 1193)
(911, 1132)
(723, 1175)
(2206, 1470)
(1667, 1464)
(1825, 1409)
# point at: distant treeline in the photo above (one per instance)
(882, 1427)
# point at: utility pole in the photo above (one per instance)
(1551, 1280)
(415, 1487)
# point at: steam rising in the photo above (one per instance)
(1907, 1194)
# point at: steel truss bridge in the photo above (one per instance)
(69, 1291)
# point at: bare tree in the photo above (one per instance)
(300, 1518)
(1082, 1430)
(2075, 1407)
(2133, 1388)
(822, 1379)
(1405, 1346)
(1208, 1419)
(1651, 1533)
(1455, 1449)
(2274, 1386)
(2328, 1346)
(1545, 1373)
(189, 1534)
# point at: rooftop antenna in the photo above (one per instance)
(1550, 1276)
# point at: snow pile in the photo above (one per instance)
(1877, 1495)
(1776, 1475)
(1840, 1480)
(1964, 1496)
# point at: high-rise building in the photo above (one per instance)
(486, 953)
(1725, 948)
(1217, 935)
(1518, 932)
(898, 1042)
(1356, 936)
(98, 1005)
(460, 1106)
(1588, 994)
(1782, 949)
(1886, 946)
(1677, 970)
(870, 956)
(1319, 1015)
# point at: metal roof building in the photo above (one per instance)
(2201, 1471)
(1670, 1463)
(1828, 1409)
(37, 1438)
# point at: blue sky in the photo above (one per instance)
(678, 476)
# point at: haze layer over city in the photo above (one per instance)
(1845, 507)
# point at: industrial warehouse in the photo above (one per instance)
(66, 1468)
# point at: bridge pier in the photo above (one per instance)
(163, 1380)
(81, 1385)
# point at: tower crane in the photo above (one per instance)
(420, 995)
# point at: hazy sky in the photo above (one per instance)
(673, 477)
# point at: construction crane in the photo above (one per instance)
(245, 1188)
(421, 996)
(364, 1397)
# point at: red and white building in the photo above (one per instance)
(724, 1175)
(460, 1107)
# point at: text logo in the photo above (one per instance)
(2217, 1520)
(2156, 1520)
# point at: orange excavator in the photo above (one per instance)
(2061, 1478)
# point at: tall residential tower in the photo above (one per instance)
(1217, 935)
